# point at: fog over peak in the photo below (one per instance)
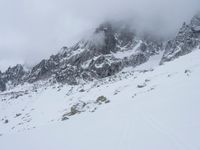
(35, 29)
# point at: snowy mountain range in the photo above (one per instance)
(110, 49)
(113, 90)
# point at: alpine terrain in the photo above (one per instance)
(113, 90)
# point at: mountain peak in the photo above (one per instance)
(111, 48)
(187, 39)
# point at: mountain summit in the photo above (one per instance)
(106, 52)
(187, 39)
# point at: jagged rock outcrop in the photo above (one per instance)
(105, 53)
(12, 76)
(187, 39)
(2, 83)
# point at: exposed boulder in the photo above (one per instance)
(102, 99)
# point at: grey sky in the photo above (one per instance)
(34, 29)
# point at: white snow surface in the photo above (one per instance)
(149, 109)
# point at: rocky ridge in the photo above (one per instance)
(113, 49)
(187, 39)
(109, 50)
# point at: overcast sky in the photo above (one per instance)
(34, 29)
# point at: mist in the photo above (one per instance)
(35, 29)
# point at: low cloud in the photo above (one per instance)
(35, 29)
(97, 39)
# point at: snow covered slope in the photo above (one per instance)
(153, 107)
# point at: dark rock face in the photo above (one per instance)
(187, 39)
(102, 67)
(114, 49)
(135, 60)
(15, 75)
(2, 85)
